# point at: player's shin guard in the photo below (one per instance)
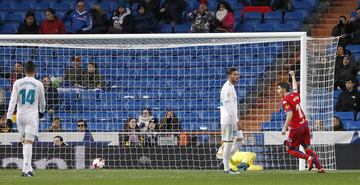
(297, 153)
(316, 159)
(227, 156)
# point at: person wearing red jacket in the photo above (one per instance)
(224, 18)
(52, 24)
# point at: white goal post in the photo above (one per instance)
(178, 72)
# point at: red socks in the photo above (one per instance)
(298, 154)
(316, 159)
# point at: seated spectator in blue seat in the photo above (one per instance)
(55, 125)
(341, 29)
(150, 139)
(82, 126)
(337, 124)
(74, 75)
(144, 119)
(145, 21)
(30, 25)
(349, 99)
(51, 95)
(171, 11)
(4, 127)
(282, 5)
(170, 123)
(17, 73)
(132, 137)
(92, 78)
(201, 19)
(59, 142)
(261, 2)
(224, 18)
(122, 21)
(353, 29)
(99, 19)
(52, 24)
(152, 6)
(80, 19)
(345, 72)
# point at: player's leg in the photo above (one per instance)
(306, 145)
(292, 145)
(30, 133)
(227, 135)
(239, 140)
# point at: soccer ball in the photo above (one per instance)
(98, 163)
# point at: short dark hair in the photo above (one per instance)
(93, 64)
(284, 85)
(81, 120)
(148, 109)
(50, 10)
(60, 138)
(30, 67)
(230, 70)
(30, 14)
(56, 118)
(342, 16)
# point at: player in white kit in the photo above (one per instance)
(231, 134)
(29, 97)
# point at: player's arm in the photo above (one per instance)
(294, 83)
(42, 102)
(289, 116)
(13, 101)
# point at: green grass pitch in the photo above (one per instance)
(175, 177)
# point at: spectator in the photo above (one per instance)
(151, 138)
(82, 126)
(122, 21)
(224, 18)
(59, 142)
(337, 124)
(318, 125)
(17, 73)
(344, 72)
(133, 137)
(144, 119)
(282, 5)
(74, 75)
(171, 11)
(145, 21)
(99, 19)
(29, 26)
(4, 127)
(55, 125)
(152, 6)
(341, 29)
(52, 24)
(80, 19)
(349, 99)
(201, 19)
(261, 2)
(2, 102)
(170, 123)
(92, 78)
(51, 96)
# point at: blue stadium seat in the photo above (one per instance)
(252, 17)
(182, 28)
(63, 6)
(273, 17)
(15, 17)
(337, 93)
(212, 4)
(246, 27)
(264, 28)
(345, 115)
(271, 126)
(164, 28)
(8, 28)
(42, 6)
(284, 27)
(23, 6)
(278, 116)
(6, 6)
(295, 23)
(235, 5)
(293, 16)
(351, 125)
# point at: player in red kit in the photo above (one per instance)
(299, 132)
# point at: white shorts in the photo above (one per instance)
(27, 126)
(229, 132)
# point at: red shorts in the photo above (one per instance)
(300, 136)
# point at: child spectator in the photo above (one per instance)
(92, 77)
(51, 95)
(171, 10)
(201, 19)
(145, 21)
(79, 19)
(99, 19)
(52, 24)
(170, 123)
(122, 20)
(133, 138)
(55, 125)
(144, 119)
(29, 26)
(224, 18)
(337, 124)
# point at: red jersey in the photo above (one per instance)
(291, 102)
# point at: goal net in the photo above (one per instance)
(152, 101)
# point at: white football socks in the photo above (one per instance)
(226, 159)
(27, 155)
